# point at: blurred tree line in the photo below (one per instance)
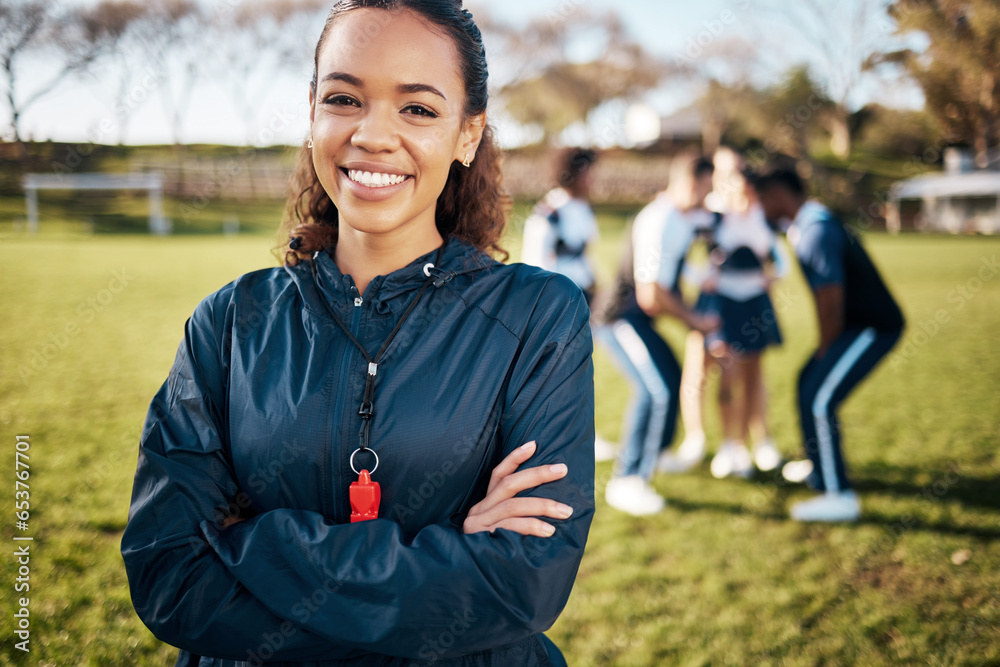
(167, 48)
(807, 114)
(553, 73)
(164, 49)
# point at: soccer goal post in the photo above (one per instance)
(151, 182)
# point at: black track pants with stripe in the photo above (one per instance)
(823, 385)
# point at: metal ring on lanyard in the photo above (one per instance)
(370, 472)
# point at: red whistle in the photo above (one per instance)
(365, 497)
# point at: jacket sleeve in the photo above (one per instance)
(441, 593)
(180, 588)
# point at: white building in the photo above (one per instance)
(960, 200)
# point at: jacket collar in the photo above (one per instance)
(457, 258)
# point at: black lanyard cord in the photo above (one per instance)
(368, 403)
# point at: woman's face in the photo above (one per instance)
(388, 120)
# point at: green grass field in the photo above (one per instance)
(720, 577)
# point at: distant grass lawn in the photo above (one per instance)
(720, 577)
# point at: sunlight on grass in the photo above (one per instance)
(720, 577)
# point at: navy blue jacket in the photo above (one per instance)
(259, 416)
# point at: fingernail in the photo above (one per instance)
(558, 469)
(549, 530)
(528, 445)
(565, 511)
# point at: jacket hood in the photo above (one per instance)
(457, 258)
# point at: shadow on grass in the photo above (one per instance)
(971, 492)
(776, 511)
(772, 510)
(983, 492)
(898, 524)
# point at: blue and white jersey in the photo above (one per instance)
(661, 238)
(818, 245)
(556, 236)
(830, 255)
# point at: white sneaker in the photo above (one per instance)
(732, 459)
(766, 456)
(829, 507)
(633, 495)
(688, 455)
(604, 450)
(796, 472)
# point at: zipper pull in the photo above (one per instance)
(358, 301)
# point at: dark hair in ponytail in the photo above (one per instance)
(472, 207)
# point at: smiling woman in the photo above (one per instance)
(416, 112)
(381, 452)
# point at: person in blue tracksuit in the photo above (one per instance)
(744, 259)
(648, 286)
(859, 322)
(390, 349)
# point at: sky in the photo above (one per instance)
(668, 28)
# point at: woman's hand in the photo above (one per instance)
(500, 509)
(706, 324)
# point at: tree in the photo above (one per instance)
(178, 50)
(259, 41)
(958, 71)
(896, 132)
(730, 105)
(735, 113)
(32, 27)
(553, 86)
(22, 22)
(845, 35)
(785, 118)
(124, 27)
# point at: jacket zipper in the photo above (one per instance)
(340, 470)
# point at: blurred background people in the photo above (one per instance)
(859, 322)
(562, 225)
(744, 258)
(647, 287)
(560, 229)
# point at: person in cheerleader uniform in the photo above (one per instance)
(562, 225)
(559, 232)
(745, 259)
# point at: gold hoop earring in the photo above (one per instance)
(468, 161)
(310, 144)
